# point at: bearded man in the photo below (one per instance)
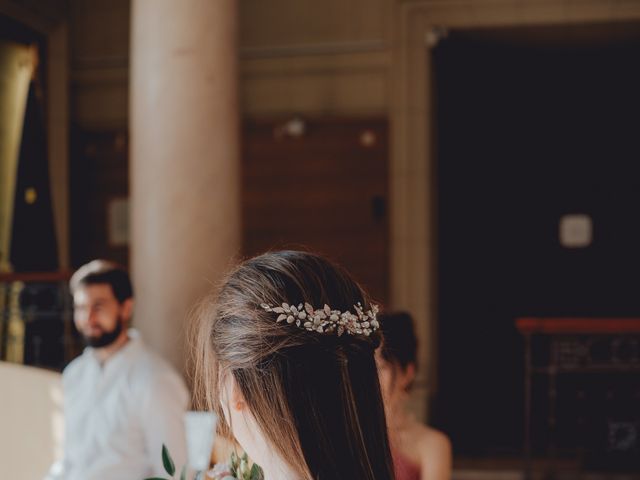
(121, 401)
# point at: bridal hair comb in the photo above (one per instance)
(326, 320)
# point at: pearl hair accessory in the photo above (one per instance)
(327, 320)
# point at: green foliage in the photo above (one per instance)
(240, 467)
(167, 461)
(256, 473)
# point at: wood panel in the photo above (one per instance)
(325, 190)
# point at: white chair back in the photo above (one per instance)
(31, 421)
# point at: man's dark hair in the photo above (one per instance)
(399, 344)
(103, 272)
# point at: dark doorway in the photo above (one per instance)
(532, 125)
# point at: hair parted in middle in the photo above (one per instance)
(315, 396)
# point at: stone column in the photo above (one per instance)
(185, 203)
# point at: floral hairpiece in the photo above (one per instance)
(326, 320)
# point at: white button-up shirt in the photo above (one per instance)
(118, 415)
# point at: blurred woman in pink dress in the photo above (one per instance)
(419, 452)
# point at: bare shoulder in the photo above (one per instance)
(435, 453)
(434, 440)
(421, 441)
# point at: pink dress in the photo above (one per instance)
(404, 468)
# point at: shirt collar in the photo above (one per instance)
(128, 350)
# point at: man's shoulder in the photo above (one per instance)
(149, 367)
(75, 366)
(151, 375)
(149, 362)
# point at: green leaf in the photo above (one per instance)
(233, 467)
(183, 473)
(256, 473)
(167, 461)
(243, 468)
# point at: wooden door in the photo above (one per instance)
(320, 184)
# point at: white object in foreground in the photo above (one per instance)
(200, 429)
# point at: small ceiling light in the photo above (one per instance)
(296, 127)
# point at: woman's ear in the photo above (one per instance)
(411, 372)
(408, 376)
(237, 401)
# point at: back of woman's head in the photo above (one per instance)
(315, 396)
(400, 344)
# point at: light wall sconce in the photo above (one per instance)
(576, 231)
(368, 139)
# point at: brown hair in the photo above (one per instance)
(316, 397)
(103, 272)
(400, 344)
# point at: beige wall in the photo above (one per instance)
(311, 57)
(328, 57)
(99, 40)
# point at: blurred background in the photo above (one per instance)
(475, 162)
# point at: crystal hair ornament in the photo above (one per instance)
(327, 320)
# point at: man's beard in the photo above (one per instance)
(107, 338)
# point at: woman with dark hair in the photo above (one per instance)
(419, 452)
(285, 356)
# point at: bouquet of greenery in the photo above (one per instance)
(238, 468)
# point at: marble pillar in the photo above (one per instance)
(185, 172)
